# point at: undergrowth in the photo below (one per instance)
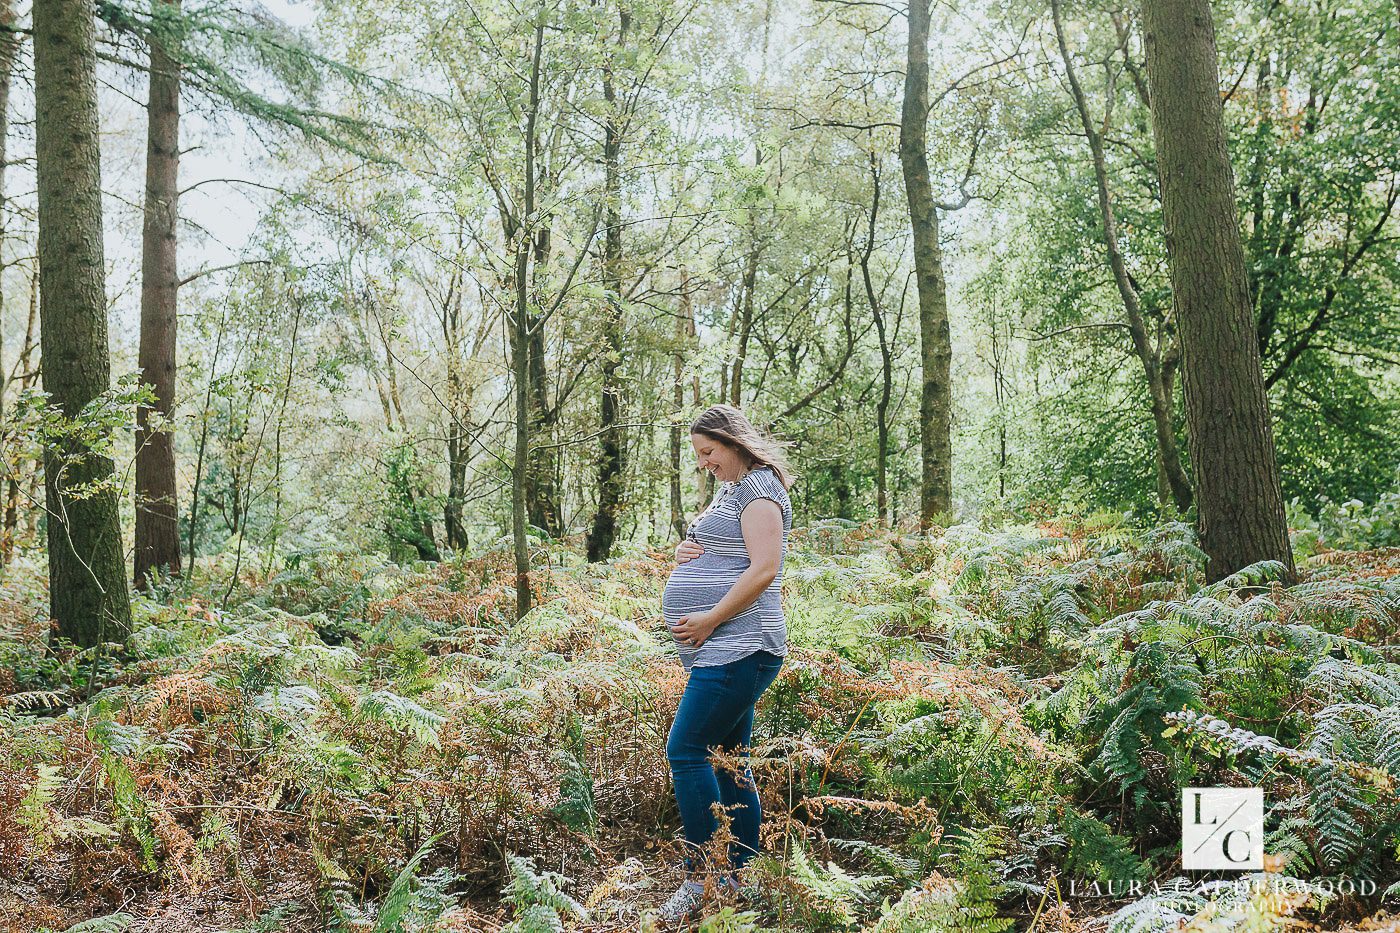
(967, 723)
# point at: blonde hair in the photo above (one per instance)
(727, 424)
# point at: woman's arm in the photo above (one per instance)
(762, 525)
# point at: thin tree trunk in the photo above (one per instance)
(1168, 455)
(684, 322)
(543, 492)
(935, 337)
(9, 52)
(87, 576)
(1240, 503)
(542, 481)
(458, 441)
(520, 357)
(999, 386)
(744, 325)
(882, 408)
(610, 452)
(157, 513)
(204, 439)
(706, 482)
(9, 536)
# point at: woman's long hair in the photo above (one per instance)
(727, 424)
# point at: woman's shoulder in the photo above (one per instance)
(764, 481)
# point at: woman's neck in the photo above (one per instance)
(750, 469)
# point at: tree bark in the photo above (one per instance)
(9, 537)
(157, 514)
(88, 595)
(9, 52)
(744, 315)
(685, 330)
(542, 485)
(1240, 503)
(458, 440)
(520, 324)
(1168, 455)
(882, 408)
(935, 337)
(610, 452)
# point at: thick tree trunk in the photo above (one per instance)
(935, 337)
(1178, 487)
(610, 465)
(1239, 500)
(87, 576)
(157, 515)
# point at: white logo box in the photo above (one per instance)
(1222, 828)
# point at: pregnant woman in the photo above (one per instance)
(723, 605)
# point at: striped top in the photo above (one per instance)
(699, 584)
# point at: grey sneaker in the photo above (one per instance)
(684, 904)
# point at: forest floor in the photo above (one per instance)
(970, 730)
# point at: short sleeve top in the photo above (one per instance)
(698, 585)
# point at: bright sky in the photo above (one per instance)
(217, 217)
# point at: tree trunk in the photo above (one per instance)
(87, 576)
(9, 537)
(542, 487)
(157, 514)
(610, 463)
(1240, 503)
(9, 51)
(458, 409)
(520, 325)
(744, 326)
(685, 326)
(1168, 455)
(882, 408)
(935, 337)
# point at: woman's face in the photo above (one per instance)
(725, 461)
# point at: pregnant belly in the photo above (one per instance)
(698, 585)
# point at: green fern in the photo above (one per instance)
(1335, 801)
(112, 923)
(34, 812)
(129, 808)
(882, 858)
(822, 896)
(575, 808)
(408, 900)
(1097, 853)
(729, 920)
(1292, 842)
(971, 852)
(402, 713)
(538, 898)
(930, 907)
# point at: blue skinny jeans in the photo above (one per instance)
(716, 712)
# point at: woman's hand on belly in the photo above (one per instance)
(688, 550)
(695, 627)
